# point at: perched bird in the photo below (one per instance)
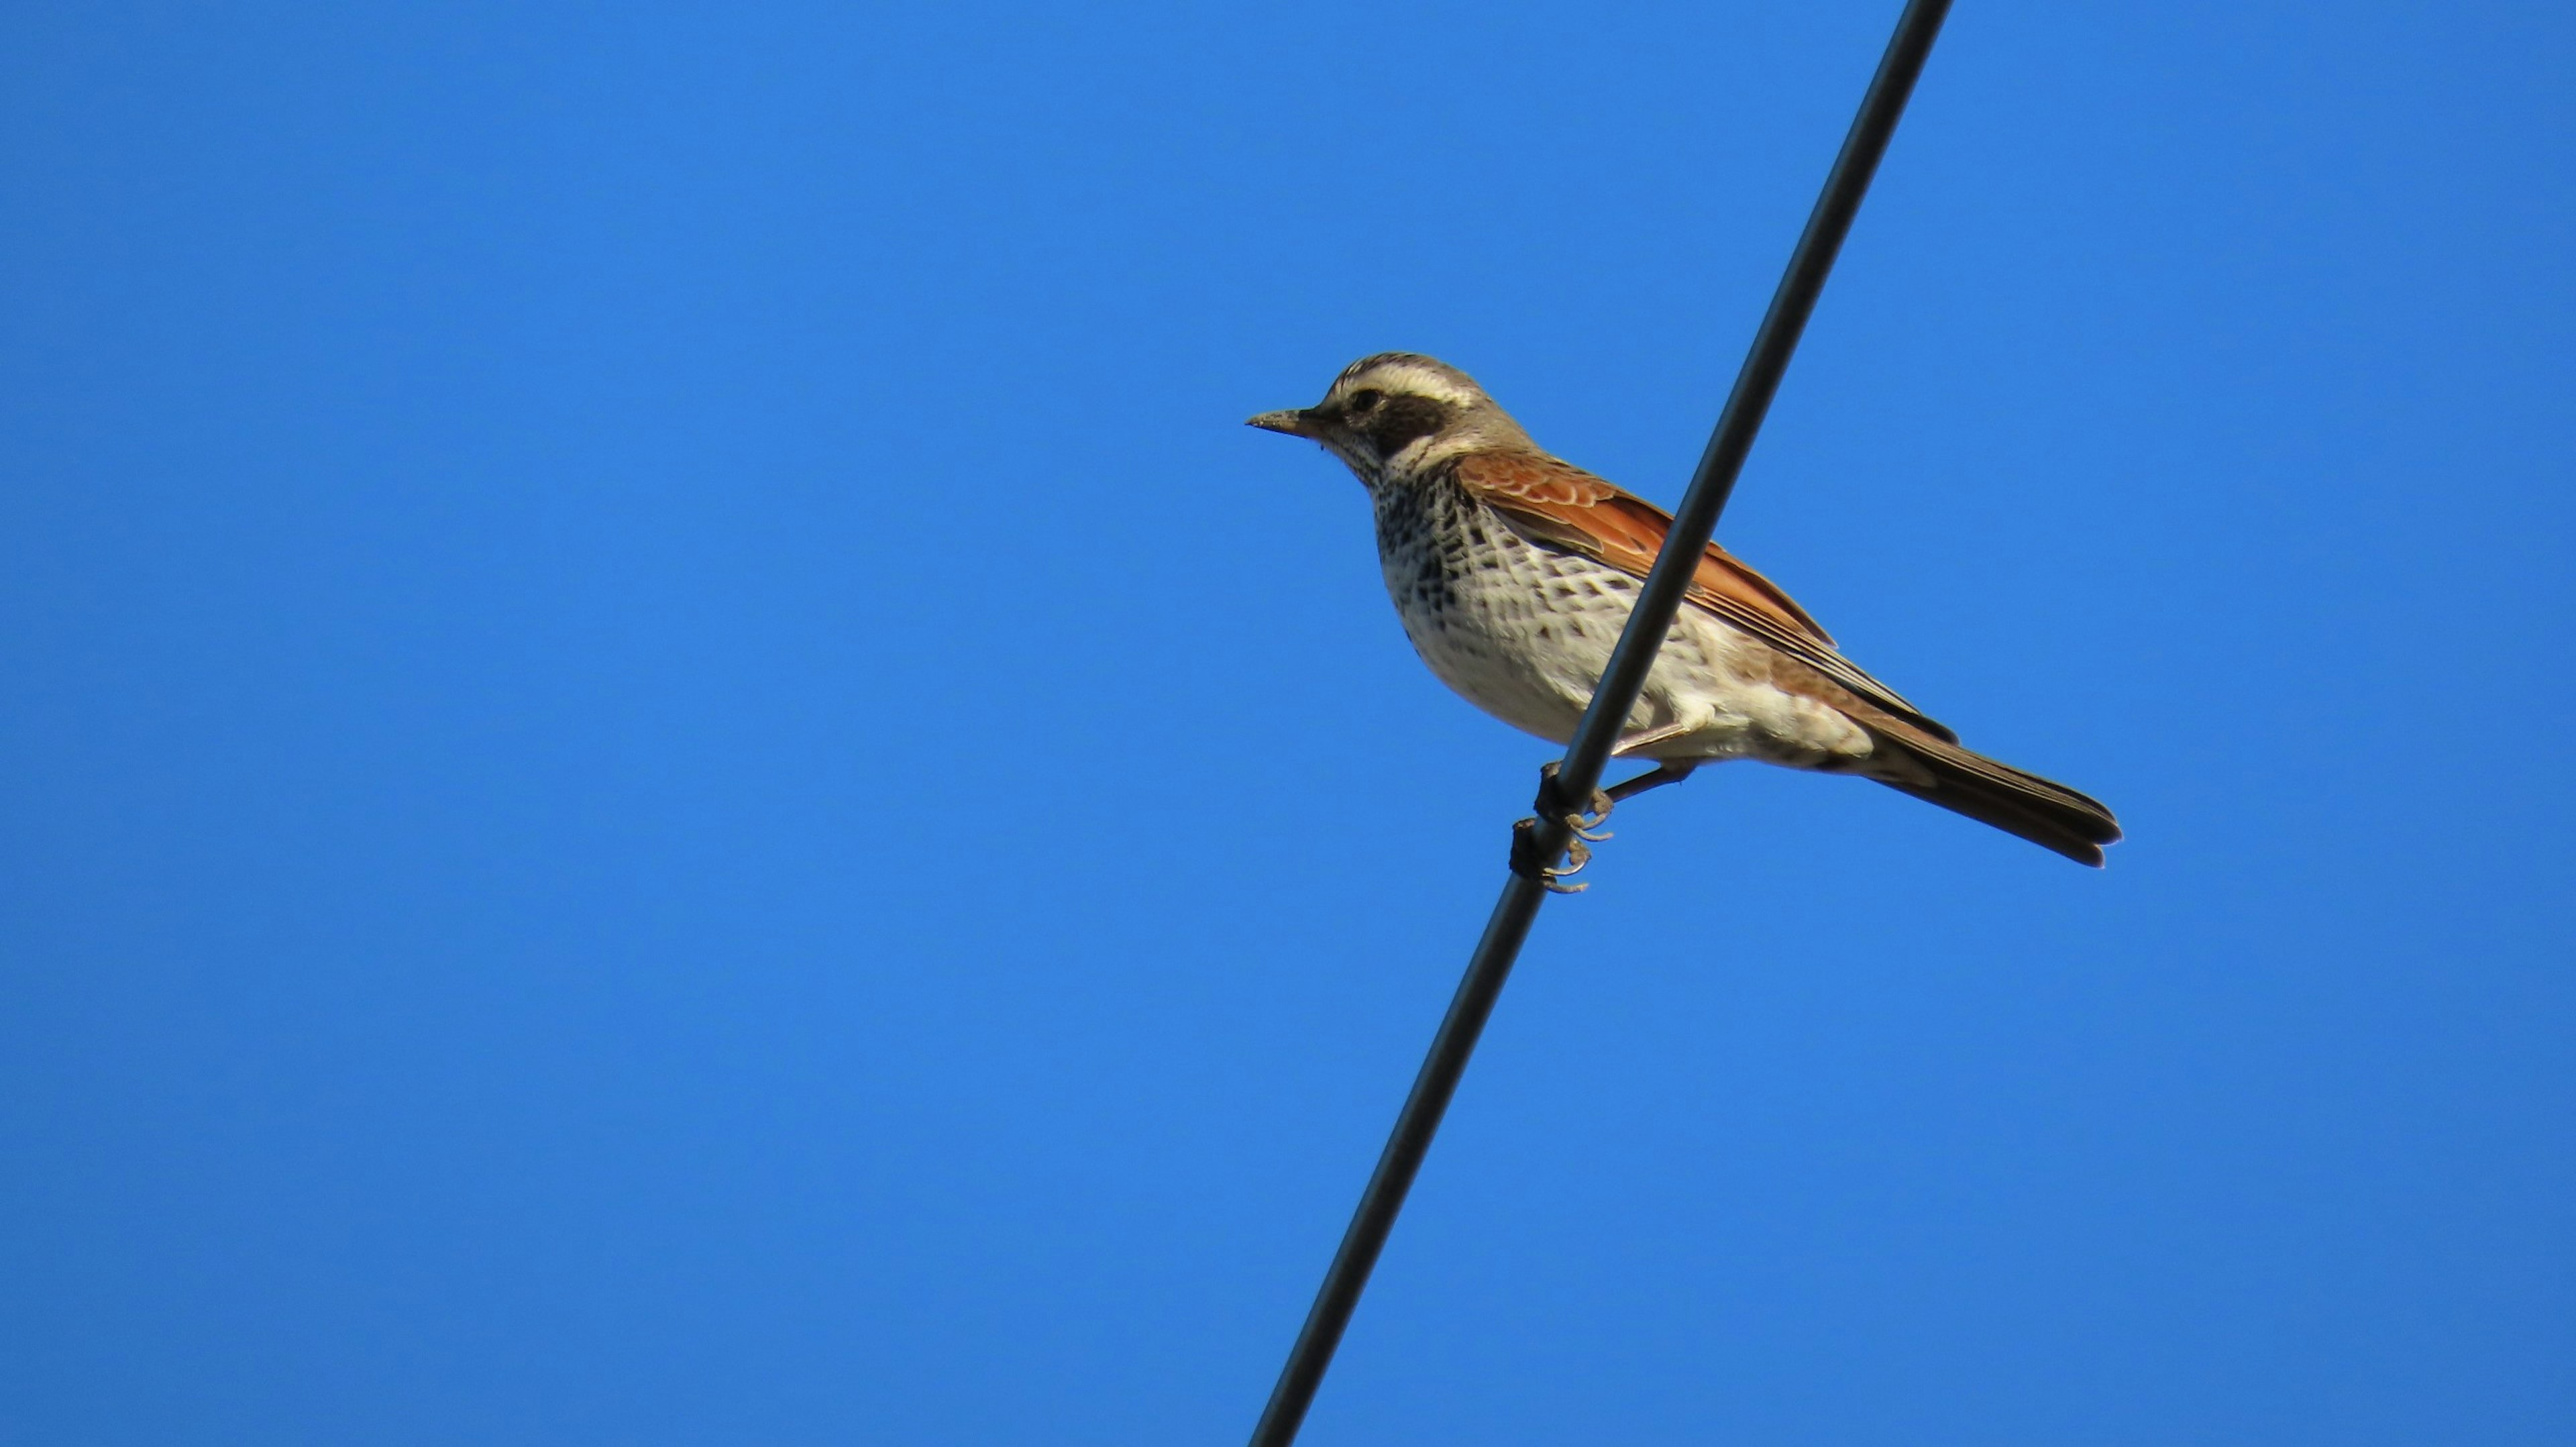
(1515, 570)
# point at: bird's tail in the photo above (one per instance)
(1938, 771)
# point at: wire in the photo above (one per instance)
(1616, 694)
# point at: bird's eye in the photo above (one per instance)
(1366, 398)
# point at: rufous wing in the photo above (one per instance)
(1557, 505)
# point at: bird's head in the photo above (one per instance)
(1397, 414)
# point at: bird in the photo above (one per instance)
(1514, 571)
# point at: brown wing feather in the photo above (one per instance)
(1559, 505)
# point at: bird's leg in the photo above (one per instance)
(1664, 772)
(1654, 778)
(1584, 824)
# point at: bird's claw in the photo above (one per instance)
(1583, 824)
(1528, 863)
(1551, 803)
(1577, 855)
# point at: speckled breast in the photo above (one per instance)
(1520, 631)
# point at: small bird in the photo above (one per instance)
(1514, 571)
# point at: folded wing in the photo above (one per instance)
(1557, 505)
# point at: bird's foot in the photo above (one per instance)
(1551, 803)
(1529, 863)
(1583, 824)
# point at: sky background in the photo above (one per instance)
(674, 776)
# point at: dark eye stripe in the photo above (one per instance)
(1402, 420)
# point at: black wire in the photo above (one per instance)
(1616, 694)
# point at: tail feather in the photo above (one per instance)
(2049, 815)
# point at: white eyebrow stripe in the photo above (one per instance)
(1410, 378)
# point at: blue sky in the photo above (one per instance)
(677, 778)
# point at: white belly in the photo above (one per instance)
(1524, 633)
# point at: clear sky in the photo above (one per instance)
(674, 775)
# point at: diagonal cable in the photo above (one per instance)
(1693, 524)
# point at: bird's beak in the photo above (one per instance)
(1294, 422)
